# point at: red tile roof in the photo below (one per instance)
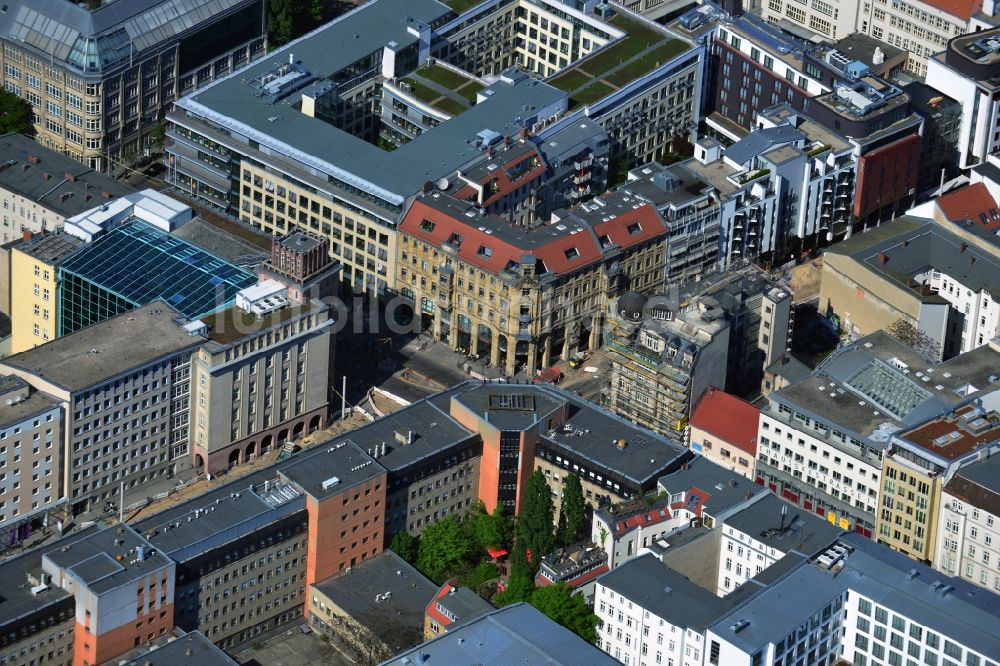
(649, 222)
(730, 419)
(963, 9)
(431, 608)
(970, 202)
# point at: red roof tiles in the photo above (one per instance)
(730, 419)
(970, 202)
(963, 9)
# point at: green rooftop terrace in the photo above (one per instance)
(443, 88)
(459, 6)
(638, 53)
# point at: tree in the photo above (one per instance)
(570, 610)
(443, 548)
(15, 114)
(573, 516)
(520, 583)
(910, 335)
(157, 135)
(534, 525)
(405, 545)
(488, 530)
(289, 19)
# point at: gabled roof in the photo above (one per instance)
(972, 202)
(729, 418)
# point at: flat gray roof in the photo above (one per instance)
(464, 604)
(403, 594)
(340, 465)
(517, 634)
(647, 582)
(51, 248)
(36, 403)
(512, 103)
(193, 648)
(798, 529)
(107, 349)
(221, 243)
(106, 559)
(722, 488)
(58, 192)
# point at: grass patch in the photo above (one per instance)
(459, 6)
(449, 105)
(443, 77)
(595, 91)
(420, 91)
(647, 63)
(470, 90)
(571, 80)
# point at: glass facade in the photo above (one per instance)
(136, 264)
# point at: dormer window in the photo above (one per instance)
(634, 228)
(572, 253)
(485, 251)
(427, 225)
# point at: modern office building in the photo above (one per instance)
(916, 271)
(967, 538)
(123, 388)
(282, 151)
(136, 263)
(965, 70)
(99, 79)
(823, 439)
(918, 464)
(41, 188)
(516, 634)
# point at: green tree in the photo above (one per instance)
(15, 114)
(289, 19)
(568, 609)
(444, 546)
(488, 530)
(573, 516)
(534, 525)
(520, 583)
(405, 545)
(157, 135)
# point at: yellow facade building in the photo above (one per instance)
(34, 299)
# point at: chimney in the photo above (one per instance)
(24, 167)
(26, 235)
(45, 176)
(972, 260)
(427, 187)
(523, 133)
(963, 247)
(489, 152)
(70, 177)
(882, 257)
(64, 196)
(87, 197)
(33, 159)
(106, 194)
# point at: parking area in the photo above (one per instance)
(293, 648)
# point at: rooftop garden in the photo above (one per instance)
(459, 6)
(438, 86)
(636, 54)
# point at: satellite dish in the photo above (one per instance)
(443, 184)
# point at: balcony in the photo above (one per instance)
(581, 178)
(580, 165)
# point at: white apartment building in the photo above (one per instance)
(976, 303)
(918, 27)
(966, 71)
(831, 18)
(968, 542)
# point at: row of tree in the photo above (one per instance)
(452, 548)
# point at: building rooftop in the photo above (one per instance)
(774, 522)
(106, 559)
(729, 418)
(343, 465)
(513, 101)
(218, 242)
(859, 46)
(104, 38)
(56, 182)
(910, 246)
(709, 487)
(974, 203)
(140, 264)
(51, 248)
(668, 594)
(36, 403)
(760, 141)
(515, 634)
(956, 434)
(789, 368)
(949, 606)
(456, 605)
(107, 349)
(233, 324)
(382, 590)
(978, 484)
(192, 647)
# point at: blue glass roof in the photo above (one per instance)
(140, 263)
